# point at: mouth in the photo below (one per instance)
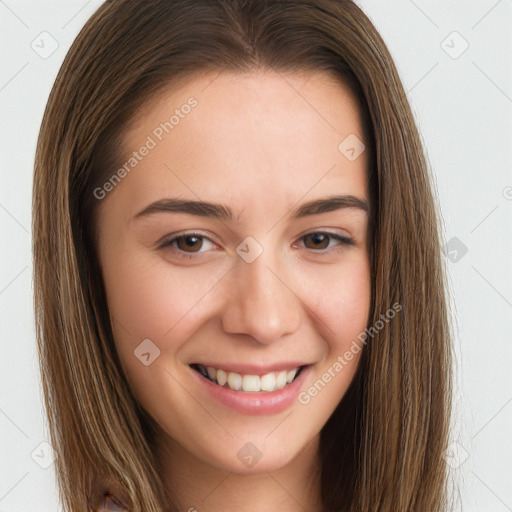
(272, 381)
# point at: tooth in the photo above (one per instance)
(221, 377)
(211, 372)
(235, 381)
(268, 382)
(251, 383)
(290, 375)
(281, 379)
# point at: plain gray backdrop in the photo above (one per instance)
(454, 58)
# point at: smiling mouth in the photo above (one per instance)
(272, 381)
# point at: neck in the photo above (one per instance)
(199, 486)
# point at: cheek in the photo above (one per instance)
(340, 297)
(341, 301)
(152, 300)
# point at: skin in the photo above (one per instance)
(261, 143)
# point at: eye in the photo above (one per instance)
(320, 240)
(190, 243)
(187, 245)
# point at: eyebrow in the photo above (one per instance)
(223, 212)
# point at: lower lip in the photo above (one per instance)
(272, 402)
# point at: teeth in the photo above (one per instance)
(234, 381)
(291, 375)
(281, 380)
(221, 377)
(268, 382)
(253, 383)
(211, 372)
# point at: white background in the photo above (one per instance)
(463, 107)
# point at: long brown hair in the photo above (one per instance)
(382, 448)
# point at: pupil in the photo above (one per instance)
(318, 238)
(195, 242)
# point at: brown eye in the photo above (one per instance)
(319, 240)
(189, 243)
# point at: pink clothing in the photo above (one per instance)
(109, 503)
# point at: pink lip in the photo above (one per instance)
(252, 369)
(256, 403)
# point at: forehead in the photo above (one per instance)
(261, 137)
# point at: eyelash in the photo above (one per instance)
(344, 241)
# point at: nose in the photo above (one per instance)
(261, 304)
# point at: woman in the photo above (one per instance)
(238, 284)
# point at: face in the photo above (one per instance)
(234, 255)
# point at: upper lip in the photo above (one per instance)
(253, 369)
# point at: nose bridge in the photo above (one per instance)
(262, 304)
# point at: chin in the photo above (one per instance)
(249, 458)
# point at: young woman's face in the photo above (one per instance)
(252, 262)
